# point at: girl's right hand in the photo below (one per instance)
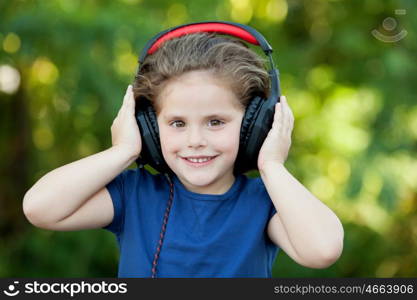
(124, 130)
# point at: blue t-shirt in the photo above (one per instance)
(206, 235)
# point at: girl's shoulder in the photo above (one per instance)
(254, 188)
(253, 183)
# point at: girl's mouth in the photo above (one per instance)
(199, 162)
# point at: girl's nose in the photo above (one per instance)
(196, 137)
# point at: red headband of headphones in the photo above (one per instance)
(206, 27)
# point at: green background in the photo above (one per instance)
(65, 65)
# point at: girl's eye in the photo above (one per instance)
(177, 124)
(215, 123)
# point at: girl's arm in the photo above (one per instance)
(62, 192)
(74, 196)
(306, 229)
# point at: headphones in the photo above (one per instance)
(259, 113)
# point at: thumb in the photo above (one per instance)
(128, 100)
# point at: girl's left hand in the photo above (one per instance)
(277, 144)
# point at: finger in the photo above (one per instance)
(283, 114)
(277, 116)
(289, 118)
(123, 106)
(290, 115)
(286, 127)
(126, 96)
(288, 110)
(128, 105)
(130, 100)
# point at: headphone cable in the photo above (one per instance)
(164, 224)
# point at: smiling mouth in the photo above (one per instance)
(199, 161)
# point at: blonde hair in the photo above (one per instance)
(229, 60)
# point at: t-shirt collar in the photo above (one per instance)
(235, 188)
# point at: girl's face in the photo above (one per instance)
(199, 121)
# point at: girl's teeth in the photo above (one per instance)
(199, 160)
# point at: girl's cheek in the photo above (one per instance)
(171, 142)
(228, 141)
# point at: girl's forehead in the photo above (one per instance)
(200, 106)
(195, 91)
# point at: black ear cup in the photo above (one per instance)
(244, 161)
(250, 113)
(256, 124)
(151, 147)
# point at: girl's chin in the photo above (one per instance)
(197, 180)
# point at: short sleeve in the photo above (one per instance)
(272, 211)
(115, 189)
(263, 191)
(118, 189)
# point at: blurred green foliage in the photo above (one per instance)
(65, 65)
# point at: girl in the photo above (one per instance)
(216, 222)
